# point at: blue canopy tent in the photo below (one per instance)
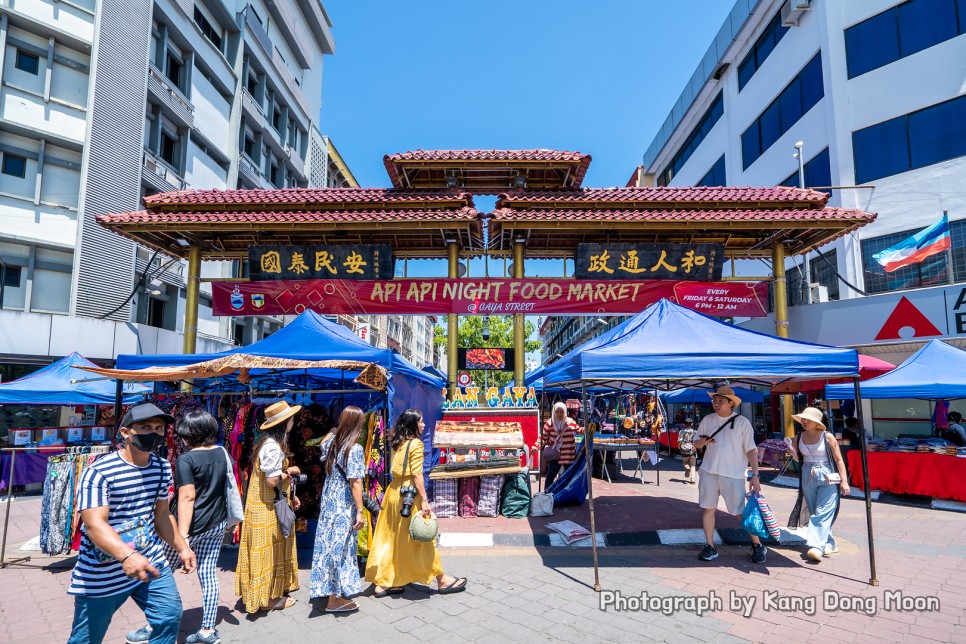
(63, 383)
(701, 395)
(433, 371)
(668, 346)
(936, 371)
(312, 337)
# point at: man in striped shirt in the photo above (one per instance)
(123, 504)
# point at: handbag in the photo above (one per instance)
(423, 529)
(541, 505)
(284, 513)
(235, 511)
(552, 452)
(768, 517)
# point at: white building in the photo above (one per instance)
(874, 91)
(102, 103)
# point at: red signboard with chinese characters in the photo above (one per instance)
(485, 297)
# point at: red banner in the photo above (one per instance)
(485, 297)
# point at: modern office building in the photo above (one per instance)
(102, 103)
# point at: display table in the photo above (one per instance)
(639, 448)
(30, 467)
(669, 438)
(933, 475)
(771, 452)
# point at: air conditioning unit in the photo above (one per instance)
(792, 11)
(818, 293)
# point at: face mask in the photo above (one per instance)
(145, 442)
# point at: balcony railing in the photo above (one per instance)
(160, 176)
(253, 109)
(171, 97)
(248, 170)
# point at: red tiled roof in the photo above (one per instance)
(286, 216)
(714, 196)
(487, 155)
(304, 197)
(720, 216)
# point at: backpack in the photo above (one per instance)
(686, 441)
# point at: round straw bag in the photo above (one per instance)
(423, 529)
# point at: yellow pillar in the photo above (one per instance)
(781, 323)
(519, 321)
(191, 300)
(452, 323)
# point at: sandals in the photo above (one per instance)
(348, 607)
(385, 592)
(456, 586)
(282, 603)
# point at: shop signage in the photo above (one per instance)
(468, 398)
(485, 297)
(489, 359)
(343, 262)
(363, 332)
(693, 262)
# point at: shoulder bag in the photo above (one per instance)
(552, 452)
(235, 511)
(730, 421)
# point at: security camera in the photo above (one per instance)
(486, 333)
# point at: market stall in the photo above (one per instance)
(935, 372)
(698, 395)
(668, 346)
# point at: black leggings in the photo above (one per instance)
(553, 469)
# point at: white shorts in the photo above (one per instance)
(710, 486)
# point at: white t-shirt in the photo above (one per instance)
(728, 455)
(270, 458)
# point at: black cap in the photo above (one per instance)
(138, 413)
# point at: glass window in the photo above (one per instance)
(881, 150)
(790, 105)
(747, 69)
(212, 34)
(765, 44)
(771, 125)
(929, 272)
(813, 88)
(173, 71)
(938, 133)
(924, 23)
(823, 268)
(872, 43)
(169, 149)
(961, 10)
(11, 275)
(27, 62)
(716, 175)
(750, 145)
(818, 173)
(15, 166)
(704, 126)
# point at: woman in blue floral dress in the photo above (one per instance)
(335, 573)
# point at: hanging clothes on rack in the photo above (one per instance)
(59, 520)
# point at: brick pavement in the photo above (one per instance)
(518, 593)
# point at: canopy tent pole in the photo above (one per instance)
(118, 399)
(873, 581)
(452, 322)
(589, 458)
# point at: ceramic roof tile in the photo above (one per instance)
(302, 197)
(278, 217)
(715, 215)
(487, 155)
(689, 194)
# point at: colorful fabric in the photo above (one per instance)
(334, 567)
(469, 494)
(771, 523)
(926, 243)
(445, 501)
(267, 562)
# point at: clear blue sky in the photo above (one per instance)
(596, 77)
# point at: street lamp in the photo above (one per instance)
(806, 266)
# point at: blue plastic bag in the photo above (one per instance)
(752, 520)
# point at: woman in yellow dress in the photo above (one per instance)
(267, 562)
(394, 558)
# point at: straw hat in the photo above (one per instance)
(279, 412)
(728, 393)
(812, 414)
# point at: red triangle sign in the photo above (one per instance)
(906, 315)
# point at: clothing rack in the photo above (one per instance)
(69, 450)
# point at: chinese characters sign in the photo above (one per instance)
(697, 262)
(485, 297)
(351, 262)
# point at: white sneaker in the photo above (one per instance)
(830, 550)
(814, 554)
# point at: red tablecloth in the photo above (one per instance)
(670, 435)
(935, 475)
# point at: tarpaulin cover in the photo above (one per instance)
(701, 395)
(63, 383)
(667, 342)
(938, 370)
(570, 488)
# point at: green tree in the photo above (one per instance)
(501, 336)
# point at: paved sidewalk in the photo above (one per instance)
(546, 594)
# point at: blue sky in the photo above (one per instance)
(597, 77)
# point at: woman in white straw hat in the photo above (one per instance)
(267, 564)
(816, 449)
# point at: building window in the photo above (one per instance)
(273, 174)
(703, 128)
(766, 42)
(929, 272)
(14, 165)
(155, 312)
(901, 31)
(798, 97)
(11, 275)
(912, 141)
(249, 146)
(277, 119)
(716, 175)
(169, 149)
(252, 84)
(174, 70)
(823, 268)
(293, 134)
(818, 173)
(27, 62)
(209, 31)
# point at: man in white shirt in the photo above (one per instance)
(729, 452)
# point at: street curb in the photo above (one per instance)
(682, 537)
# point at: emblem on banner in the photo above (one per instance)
(237, 299)
(258, 300)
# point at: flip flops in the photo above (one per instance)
(282, 603)
(456, 586)
(379, 594)
(348, 607)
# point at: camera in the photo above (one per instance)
(371, 505)
(301, 478)
(407, 494)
